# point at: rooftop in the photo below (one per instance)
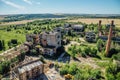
(29, 67)
(50, 33)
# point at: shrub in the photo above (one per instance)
(33, 52)
(64, 69)
(93, 52)
(116, 56)
(69, 69)
(112, 72)
(87, 50)
(14, 41)
(118, 76)
(42, 59)
(85, 74)
(100, 45)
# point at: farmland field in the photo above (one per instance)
(2, 17)
(17, 22)
(23, 21)
(96, 20)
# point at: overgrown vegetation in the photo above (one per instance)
(16, 33)
(80, 72)
(82, 50)
(112, 72)
(5, 66)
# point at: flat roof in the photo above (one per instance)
(28, 67)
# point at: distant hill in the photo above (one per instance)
(19, 17)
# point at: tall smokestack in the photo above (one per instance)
(99, 28)
(109, 38)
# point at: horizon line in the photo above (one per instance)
(59, 13)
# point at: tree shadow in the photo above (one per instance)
(76, 59)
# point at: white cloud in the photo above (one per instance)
(13, 4)
(28, 1)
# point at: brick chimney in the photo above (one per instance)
(109, 38)
(99, 28)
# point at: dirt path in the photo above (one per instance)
(86, 61)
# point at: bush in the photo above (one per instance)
(33, 52)
(100, 45)
(93, 52)
(69, 69)
(118, 76)
(116, 56)
(110, 77)
(112, 51)
(64, 69)
(85, 74)
(4, 67)
(42, 59)
(56, 66)
(112, 72)
(84, 51)
(14, 41)
(87, 50)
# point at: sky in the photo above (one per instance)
(59, 6)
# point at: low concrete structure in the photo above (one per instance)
(58, 29)
(90, 37)
(78, 28)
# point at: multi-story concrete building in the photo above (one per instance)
(30, 70)
(51, 39)
(50, 42)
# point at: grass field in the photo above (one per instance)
(7, 36)
(96, 20)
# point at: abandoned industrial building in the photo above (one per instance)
(49, 41)
(30, 70)
(78, 28)
(90, 37)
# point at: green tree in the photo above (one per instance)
(2, 45)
